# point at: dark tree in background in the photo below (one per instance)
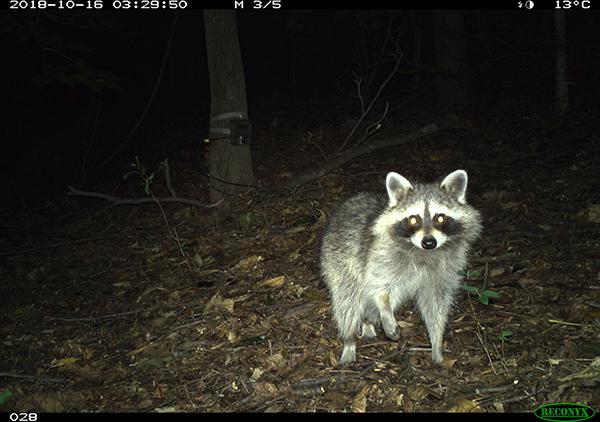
(451, 60)
(227, 162)
(562, 88)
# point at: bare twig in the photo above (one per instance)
(172, 231)
(358, 82)
(375, 126)
(95, 319)
(371, 104)
(477, 333)
(352, 153)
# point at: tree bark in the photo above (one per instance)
(562, 89)
(228, 163)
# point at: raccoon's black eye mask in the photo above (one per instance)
(408, 226)
(447, 225)
(413, 223)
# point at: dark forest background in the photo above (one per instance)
(76, 83)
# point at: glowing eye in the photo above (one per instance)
(441, 218)
(412, 220)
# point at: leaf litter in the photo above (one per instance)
(119, 324)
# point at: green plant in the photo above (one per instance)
(504, 335)
(142, 172)
(469, 275)
(4, 396)
(482, 294)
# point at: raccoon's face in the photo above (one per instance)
(428, 216)
(427, 224)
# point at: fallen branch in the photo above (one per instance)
(351, 154)
(145, 200)
(135, 201)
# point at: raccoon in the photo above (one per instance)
(377, 252)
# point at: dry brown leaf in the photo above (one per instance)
(256, 374)
(43, 402)
(592, 372)
(498, 406)
(463, 405)
(333, 360)
(233, 336)
(265, 389)
(247, 264)
(593, 213)
(168, 409)
(359, 402)
(197, 259)
(277, 360)
(63, 362)
(419, 393)
(272, 282)
(217, 303)
(448, 363)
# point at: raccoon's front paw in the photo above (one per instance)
(436, 357)
(348, 354)
(368, 331)
(390, 327)
(393, 335)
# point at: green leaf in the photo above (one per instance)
(484, 299)
(5, 395)
(470, 289)
(491, 293)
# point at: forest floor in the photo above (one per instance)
(104, 309)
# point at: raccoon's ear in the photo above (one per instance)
(456, 185)
(397, 187)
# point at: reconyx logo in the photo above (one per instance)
(563, 412)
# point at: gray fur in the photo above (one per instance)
(372, 270)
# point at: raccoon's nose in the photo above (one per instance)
(429, 242)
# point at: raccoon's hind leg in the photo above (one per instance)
(348, 315)
(386, 313)
(368, 331)
(348, 352)
(371, 319)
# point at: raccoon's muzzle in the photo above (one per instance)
(429, 242)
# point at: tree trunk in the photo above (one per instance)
(453, 79)
(562, 89)
(228, 163)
